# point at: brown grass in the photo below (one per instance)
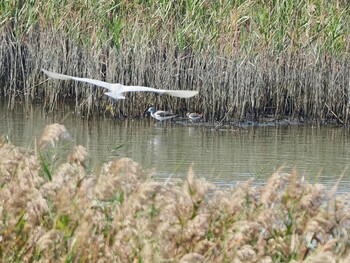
(121, 214)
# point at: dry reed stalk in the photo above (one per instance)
(277, 59)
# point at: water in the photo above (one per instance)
(320, 154)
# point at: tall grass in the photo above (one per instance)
(120, 214)
(246, 58)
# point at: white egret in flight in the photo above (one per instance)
(116, 90)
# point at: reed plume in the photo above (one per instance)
(51, 135)
(79, 156)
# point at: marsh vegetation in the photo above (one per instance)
(246, 58)
(56, 207)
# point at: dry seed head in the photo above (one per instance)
(64, 177)
(261, 244)
(36, 208)
(149, 251)
(346, 259)
(22, 192)
(190, 175)
(343, 210)
(65, 203)
(296, 188)
(79, 156)
(142, 197)
(333, 190)
(120, 175)
(196, 229)
(52, 134)
(219, 199)
(330, 245)
(322, 257)
(272, 191)
(267, 218)
(195, 188)
(204, 245)
(243, 230)
(266, 259)
(89, 243)
(12, 158)
(36, 233)
(126, 166)
(238, 199)
(50, 242)
(315, 230)
(313, 198)
(192, 258)
(85, 190)
(246, 253)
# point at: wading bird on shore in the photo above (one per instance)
(194, 117)
(161, 115)
(116, 90)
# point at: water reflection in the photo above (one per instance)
(224, 157)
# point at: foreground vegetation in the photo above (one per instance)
(55, 208)
(246, 58)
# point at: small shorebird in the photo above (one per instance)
(161, 115)
(194, 117)
(116, 90)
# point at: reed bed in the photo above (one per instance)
(121, 214)
(246, 58)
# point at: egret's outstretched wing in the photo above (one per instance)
(175, 93)
(181, 93)
(117, 90)
(66, 77)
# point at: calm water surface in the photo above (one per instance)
(320, 154)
